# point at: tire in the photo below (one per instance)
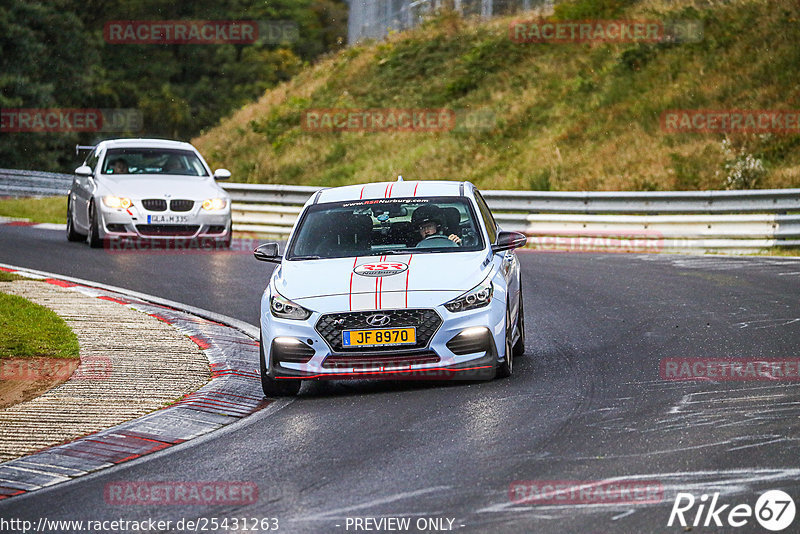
(94, 237)
(272, 387)
(519, 346)
(506, 367)
(72, 235)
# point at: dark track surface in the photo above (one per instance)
(585, 403)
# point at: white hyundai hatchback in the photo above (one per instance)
(402, 280)
(147, 189)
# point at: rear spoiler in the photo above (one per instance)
(78, 148)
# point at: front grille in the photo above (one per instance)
(426, 322)
(168, 229)
(154, 204)
(379, 359)
(181, 205)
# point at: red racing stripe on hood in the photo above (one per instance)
(408, 272)
(350, 296)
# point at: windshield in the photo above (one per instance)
(386, 226)
(153, 161)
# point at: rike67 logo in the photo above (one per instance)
(774, 510)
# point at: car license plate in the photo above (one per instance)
(373, 338)
(167, 219)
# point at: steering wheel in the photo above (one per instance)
(434, 241)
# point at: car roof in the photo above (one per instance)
(146, 143)
(398, 189)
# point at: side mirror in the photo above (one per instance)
(267, 252)
(509, 241)
(83, 170)
(222, 174)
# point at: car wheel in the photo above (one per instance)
(506, 367)
(272, 387)
(519, 346)
(94, 234)
(72, 235)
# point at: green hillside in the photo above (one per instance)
(554, 116)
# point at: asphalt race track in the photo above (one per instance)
(586, 403)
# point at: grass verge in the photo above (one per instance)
(28, 330)
(35, 209)
(10, 277)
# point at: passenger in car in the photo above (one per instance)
(344, 234)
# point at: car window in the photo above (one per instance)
(153, 161)
(488, 218)
(386, 226)
(91, 161)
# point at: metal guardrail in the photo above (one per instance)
(656, 202)
(729, 221)
(600, 202)
(295, 195)
(14, 183)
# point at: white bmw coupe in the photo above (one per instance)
(149, 189)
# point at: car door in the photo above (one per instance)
(508, 262)
(82, 190)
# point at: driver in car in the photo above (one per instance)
(120, 166)
(428, 221)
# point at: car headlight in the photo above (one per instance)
(477, 297)
(286, 309)
(117, 202)
(213, 204)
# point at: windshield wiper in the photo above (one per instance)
(391, 252)
(305, 258)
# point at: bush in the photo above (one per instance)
(742, 170)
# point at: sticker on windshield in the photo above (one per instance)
(380, 269)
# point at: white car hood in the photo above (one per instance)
(146, 186)
(333, 283)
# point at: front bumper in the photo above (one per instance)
(138, 223)
(464, 347)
